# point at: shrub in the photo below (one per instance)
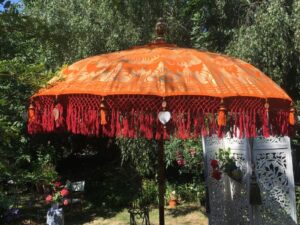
(187, 192)
(298, 202)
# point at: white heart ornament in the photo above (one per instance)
(164, 117)
(55, 113)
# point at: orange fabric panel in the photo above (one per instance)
(163, 71)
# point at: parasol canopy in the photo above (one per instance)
(164, 70)
(122, 93)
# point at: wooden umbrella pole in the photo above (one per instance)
(161, 182)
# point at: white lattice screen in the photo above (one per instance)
(274, 170)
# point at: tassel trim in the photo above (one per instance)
(31, 113)
(292, 119)
(136, 116)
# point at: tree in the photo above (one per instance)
(263, 33)
(268, 43)
(21, 160)
(79, 29)
(214, 22)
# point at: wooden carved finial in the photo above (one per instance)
(161, 29)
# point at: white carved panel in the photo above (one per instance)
(217, 200)
(229, 199)
(238, 202)
(274, 171)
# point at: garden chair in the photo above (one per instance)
(139, 213)
(139, 210)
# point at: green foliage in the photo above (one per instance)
(226, 162)
(5, 203)
(214, 22)
(268, 43)
(187, 157)
(77, 29)
(147, 195)
(186, 192)
(191, 192)
(18, 81)
(187, 154)
(298, 202)
(21, 36)
(111, 186)
(150, 191)
(140, 152)
(263, 33)
(43, 170)
(296, 23)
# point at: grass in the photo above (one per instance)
(187, 214)
(33, 212)
(109, 191)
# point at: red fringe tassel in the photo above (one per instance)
(81, 114)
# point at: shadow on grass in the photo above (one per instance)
(109, 189)
(184, 210)
(105, 196)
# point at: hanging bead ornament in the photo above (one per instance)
(267, 106)
(222, 114)
(164, 116)
(103, 120)
(292, 118)
(31, 113)
(266, 130)
(55, 112)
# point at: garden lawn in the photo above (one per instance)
(186, 214)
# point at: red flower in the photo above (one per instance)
(57, 184)
(64, 192)
(216, 174)
(181, 162)
(49, 198)
(214, 163)
(66, 202)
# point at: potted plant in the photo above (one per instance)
(171, 196)
(57, 198)
(225, 163)
(173, 199)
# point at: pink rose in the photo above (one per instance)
(66, 202)
(64, 192)
(57, 184)
(49, 198)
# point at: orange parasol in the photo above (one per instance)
(122, 94)
(132, 84)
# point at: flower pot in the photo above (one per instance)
(172, 203)
(236, 175)
(55, 215)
